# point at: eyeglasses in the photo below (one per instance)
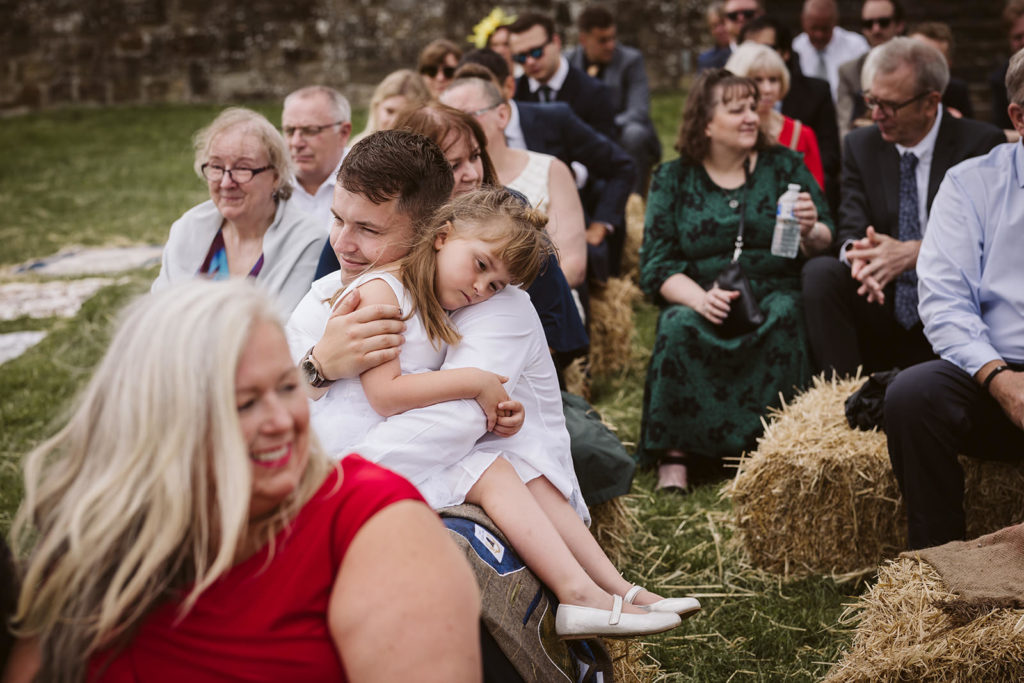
(890, 108)
(535, 53)
(240, 174)
(746, 14)
(478, 112)
(883, 22)
(431, 71)
(307, 131)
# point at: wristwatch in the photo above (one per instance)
(311, 370)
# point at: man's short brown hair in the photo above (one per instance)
(397, 164)
(595, 16)
(530, 19)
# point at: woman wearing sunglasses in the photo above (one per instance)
(437, 64)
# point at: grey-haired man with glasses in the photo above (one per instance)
(861, 308)
(316, 123)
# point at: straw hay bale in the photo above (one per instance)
(903, 635)
(611, 325)
(993, 495)
(612, 524)
(634, 237)
(631, 662)
(818, 497)
(577, 377)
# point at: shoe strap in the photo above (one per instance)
(616, 610)
(632, 593)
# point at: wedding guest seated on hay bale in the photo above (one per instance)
(249, 227)
(193, 529)
(861, 308)
(713, 371)
(819, 497)
(972, 304)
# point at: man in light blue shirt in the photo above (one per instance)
(971, 293)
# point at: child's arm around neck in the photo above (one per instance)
(390, 392)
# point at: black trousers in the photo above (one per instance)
(845, 331)
(933, 412)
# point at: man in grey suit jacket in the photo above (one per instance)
(860, 309)
(621, 68)
(881, 21)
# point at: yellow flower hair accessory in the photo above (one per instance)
(488, 25)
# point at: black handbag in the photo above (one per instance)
(745, 314)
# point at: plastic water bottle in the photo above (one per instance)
(786, 239)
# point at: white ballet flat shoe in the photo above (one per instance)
(573, 622)
(684, 607)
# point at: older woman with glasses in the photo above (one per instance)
(437, 64)
(247, 228)
(765, 67)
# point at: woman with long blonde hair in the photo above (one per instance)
(167, 521)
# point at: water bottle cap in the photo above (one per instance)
(794, 187)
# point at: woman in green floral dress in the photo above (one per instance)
(705, 394)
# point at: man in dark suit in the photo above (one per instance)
(555, 129)
(548, 77)
(861, 309)
(621, 68)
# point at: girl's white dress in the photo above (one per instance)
(444, 449)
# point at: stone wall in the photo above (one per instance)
(59, 52)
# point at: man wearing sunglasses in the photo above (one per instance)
(739, 13)
(881, 21)
(861, 309)
(437, 64)
(316, 123)
(548, 77)
(823, 45)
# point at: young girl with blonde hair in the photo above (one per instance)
(478, 245)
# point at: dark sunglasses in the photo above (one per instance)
(535, 53)
(883, 22)
(431, 71)
(735, 15)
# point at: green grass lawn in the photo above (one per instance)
(122, 175)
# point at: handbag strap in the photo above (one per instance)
(738, 246)
(794, 139)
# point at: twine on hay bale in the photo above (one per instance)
(634, 237)
(818, 497)
(903, 634)
(611, 325)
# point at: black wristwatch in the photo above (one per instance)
(311, 370)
